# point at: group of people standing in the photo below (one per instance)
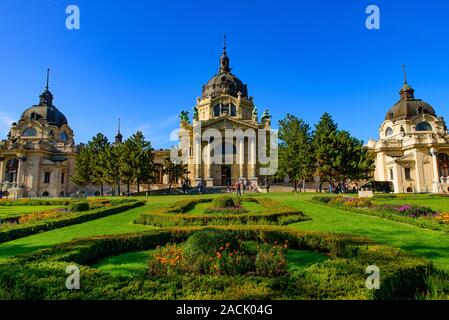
(239, 187)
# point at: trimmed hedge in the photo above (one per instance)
(41, 275)
(79, 206)
(19, 231)
(35, 202)
(274, 213)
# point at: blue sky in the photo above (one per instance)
(144, 61)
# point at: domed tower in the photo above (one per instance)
(38, 157)
(224, 105)
(413, 146)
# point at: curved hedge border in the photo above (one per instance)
(424, 223)
(19, 231)
(274, 213)
(41, 275)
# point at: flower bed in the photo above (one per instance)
(420, 216)
(45, 221)
(40, 275)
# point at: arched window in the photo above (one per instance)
(233, 110)
(423, 126)
(217, 111)
(225, 109)
(443, 165)
(388, 132)
(29, 132)
(45, 194)
(63, 136)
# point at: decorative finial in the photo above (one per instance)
(118, 125)
(405, 73)
(48, 77)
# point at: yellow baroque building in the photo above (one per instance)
(224, 105)
(38, 157)
(413, 147)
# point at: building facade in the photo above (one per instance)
(413, 146)
(38, 156)
(224, 106)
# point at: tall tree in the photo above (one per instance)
(98, 148)
(325, 148)
(142, 158)
(111, 171)
(82, 171)
(338, 155)
(174, 171)
(295, 151)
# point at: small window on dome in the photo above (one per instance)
(388, 132)
(391, 115)
(420, 110)
(233, 110)
(63, 136)
(423, 126)
(29, 132)
(217, 111)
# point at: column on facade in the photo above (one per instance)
(396, 178)
(436, 178)
(417, 172)
(242, 157)
(19, 171)
(197, 157)
(2, 170)
(208, 165)
(252, 158)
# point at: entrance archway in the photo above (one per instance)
(12, 166)
(443, 165)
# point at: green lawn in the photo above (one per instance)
(129, 264)
(114, 224)
(10, 211)
(431, 244)
(250, 206)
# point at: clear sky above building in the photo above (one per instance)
(145, 61)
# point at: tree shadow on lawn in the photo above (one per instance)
(18, 249)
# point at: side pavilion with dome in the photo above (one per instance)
(38, 156)
(413, 146)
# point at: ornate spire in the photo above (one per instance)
(48, 78)
(46, 98)
(224, 59)
(407, 92)
(118, 137)
(405, 73)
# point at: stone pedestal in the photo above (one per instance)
(254, 181)
(209, 182)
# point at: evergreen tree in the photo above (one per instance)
(97, 149)
(295, 152)
(82, 171)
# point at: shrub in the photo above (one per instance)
(208, 241)
(79, 206)
(225, 202)
(273, 213)
(39, 275)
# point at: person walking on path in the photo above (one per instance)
(238, 188)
